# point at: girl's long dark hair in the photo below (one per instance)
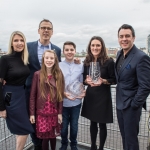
(102, 57)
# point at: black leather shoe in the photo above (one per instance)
(63, 147)
(74, 148)
(39, 147)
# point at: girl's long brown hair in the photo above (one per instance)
(57, 75)
(102, 57)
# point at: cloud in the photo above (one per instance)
(81, 35)
(145, 1)
(76, 20)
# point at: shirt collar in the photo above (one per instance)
(127, 54)
(68, 62)
(47, 46)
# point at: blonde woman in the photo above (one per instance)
(14, 70)
(47, 93)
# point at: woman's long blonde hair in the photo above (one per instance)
(25, 54)
(56, 74)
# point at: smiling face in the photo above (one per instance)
(18, 43)
(49, 60)
(45, 30)
(95, 48)
(69, 52)
(126, 39)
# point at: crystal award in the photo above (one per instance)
(94, 71)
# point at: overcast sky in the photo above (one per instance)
(75, 20)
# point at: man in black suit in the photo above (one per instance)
(133, 86)
(36, 50)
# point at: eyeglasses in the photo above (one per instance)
(44, 28)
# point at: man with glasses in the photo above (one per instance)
(36, 50)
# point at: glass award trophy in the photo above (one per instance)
(75, 89)
(94, 71)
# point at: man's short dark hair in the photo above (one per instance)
(45, 20)
(127, 26)
(69, 43)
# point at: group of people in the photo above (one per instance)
(33, 89)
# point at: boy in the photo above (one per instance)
(71, 106)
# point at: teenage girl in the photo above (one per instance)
(46, 96)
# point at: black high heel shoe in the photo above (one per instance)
(93, 147)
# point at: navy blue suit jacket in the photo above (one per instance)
(34, 64)
(133, 80)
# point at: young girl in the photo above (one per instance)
(46, 96)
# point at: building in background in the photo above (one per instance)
(78, 54)
(2, 52)
(112, 52)
(148, 44)
(83, 53)
(144, 49)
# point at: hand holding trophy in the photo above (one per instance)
(75, 90)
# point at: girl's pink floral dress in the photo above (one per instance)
(47, 125)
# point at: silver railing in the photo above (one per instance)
(113, 142)
(7, 140)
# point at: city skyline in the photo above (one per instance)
(76, 20)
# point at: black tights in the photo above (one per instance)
(45, 144)
(102, 134)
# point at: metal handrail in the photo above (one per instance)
(113, 138)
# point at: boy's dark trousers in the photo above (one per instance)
(70, 115)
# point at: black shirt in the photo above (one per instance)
(121, 59)
(13, 71)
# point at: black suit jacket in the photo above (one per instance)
(133, 80)
(34, 64)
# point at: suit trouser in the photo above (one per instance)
(128, 120)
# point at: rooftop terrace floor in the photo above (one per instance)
(80, 147)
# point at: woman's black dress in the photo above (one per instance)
(14, 72)
(97, 104)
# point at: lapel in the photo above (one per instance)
(35, 51)
(52, 47)
(127, 60)
(118, 55)
(117, 58)
(51, 81)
